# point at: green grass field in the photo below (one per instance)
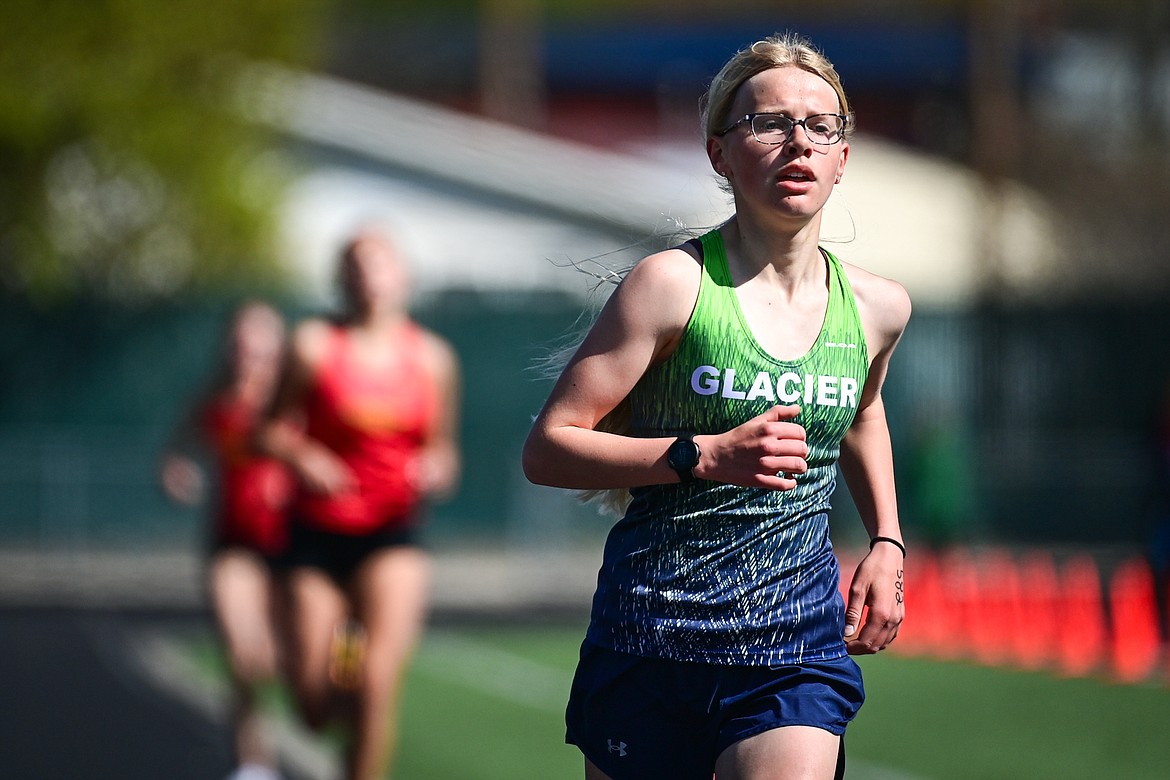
(486, 703)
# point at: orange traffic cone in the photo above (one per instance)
(1136, 636)
(1082, 637)
(997, 602)
(959, 579)
(1035, 635)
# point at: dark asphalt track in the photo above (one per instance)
(75, 705)
(78, 702)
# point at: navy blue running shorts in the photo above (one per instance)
(638, 718)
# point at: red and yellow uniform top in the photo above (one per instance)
(254, 491)
(376, 421)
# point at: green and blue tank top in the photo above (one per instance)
(717, 573)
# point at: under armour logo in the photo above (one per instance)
(617, 747)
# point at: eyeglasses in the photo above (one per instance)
(822, 129)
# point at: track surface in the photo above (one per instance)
(75, 705)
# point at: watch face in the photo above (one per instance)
(683, 454)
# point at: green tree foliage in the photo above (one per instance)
(125, 173)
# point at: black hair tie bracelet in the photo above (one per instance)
(894, 542)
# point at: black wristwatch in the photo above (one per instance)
(683, 456)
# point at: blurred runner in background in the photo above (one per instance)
(366, 417)
(249, 532)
